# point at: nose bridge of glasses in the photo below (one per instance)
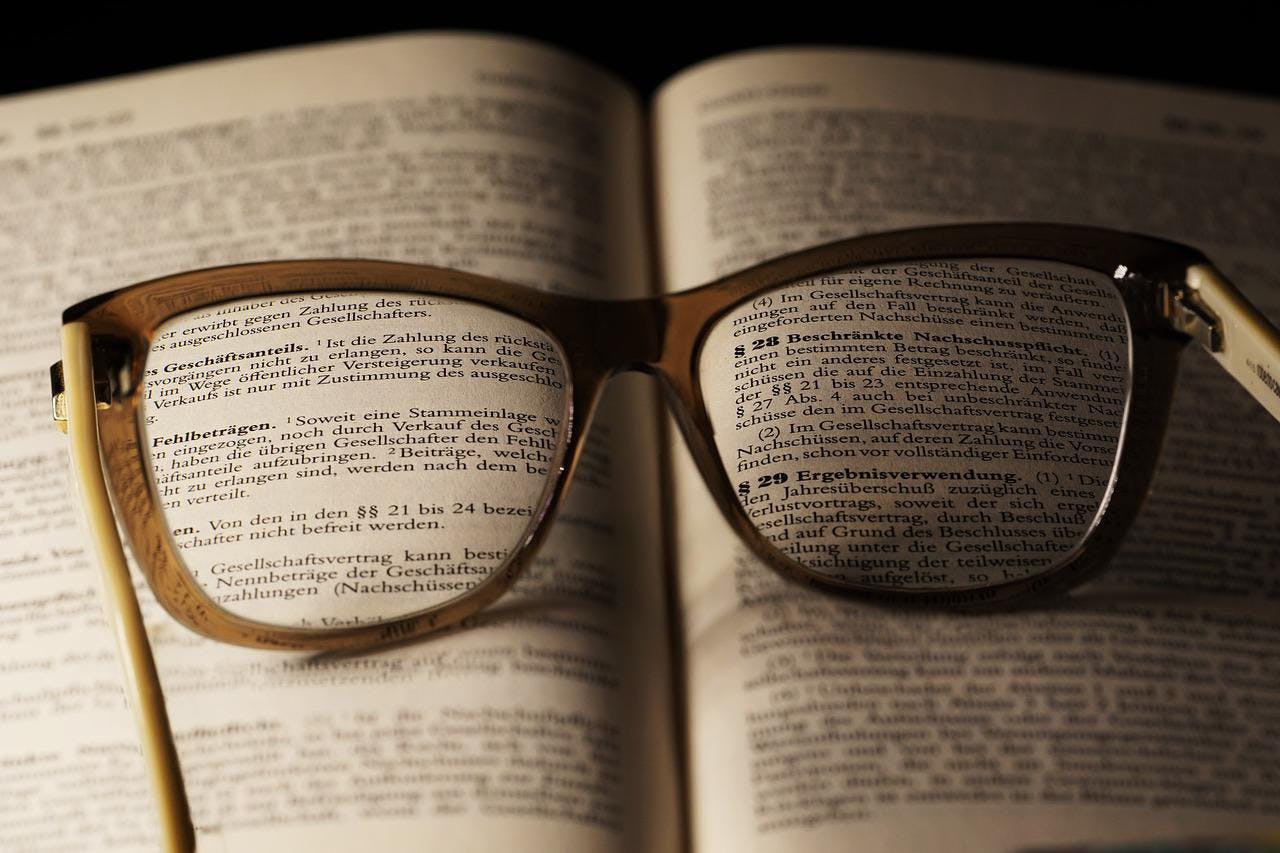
(657, 336)
(608, 337)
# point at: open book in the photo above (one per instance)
(676, 695)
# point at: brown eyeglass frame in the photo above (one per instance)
(1170, 292)
(661, 336)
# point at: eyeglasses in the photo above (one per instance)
(333, 454)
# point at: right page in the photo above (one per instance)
(1143, 707)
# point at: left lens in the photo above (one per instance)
(935, 425)
(333, 459)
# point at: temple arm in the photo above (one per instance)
(1211, 310)
(142, 685)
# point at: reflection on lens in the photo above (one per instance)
(948, 424)
(333, 459)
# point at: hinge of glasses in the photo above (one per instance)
(1187, 313)
(106, 365)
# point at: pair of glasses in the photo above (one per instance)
(335, 454)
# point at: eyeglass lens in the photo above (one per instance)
(943, 424)
(332, 459)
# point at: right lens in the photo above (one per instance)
(935, 425)
(333, 459)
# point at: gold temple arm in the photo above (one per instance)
(101, 390)
(1212, 311)
(142, 685)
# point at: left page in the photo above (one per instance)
(546, 727)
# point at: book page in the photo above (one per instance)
(545, 726)
(1140, 707)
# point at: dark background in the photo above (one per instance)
(1222, 45)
